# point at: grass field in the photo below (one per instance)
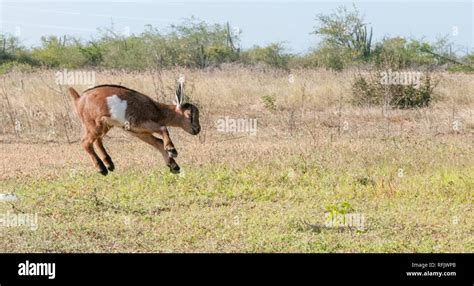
(408, 173)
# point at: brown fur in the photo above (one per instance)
(143, 115)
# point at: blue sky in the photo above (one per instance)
(261, 22)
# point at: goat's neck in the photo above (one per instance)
(170, 116)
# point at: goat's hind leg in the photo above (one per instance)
(87, 142)
(103, 126)
(99, 146)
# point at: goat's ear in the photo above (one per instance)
(179, 94)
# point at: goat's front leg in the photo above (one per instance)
(158, 144)
(165, 135)
(169, 146)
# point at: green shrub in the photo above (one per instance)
(59, 53)
(272, 55)
(466, 65)
(461, 68)
(93, 54)
(371, 89)
(366, 92)
(269, 102)
(7, 66)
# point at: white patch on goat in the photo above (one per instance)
(117, 108)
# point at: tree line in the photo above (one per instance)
(346, 41)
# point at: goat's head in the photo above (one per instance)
(188, 113)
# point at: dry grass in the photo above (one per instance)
(409, 172)
(43, 112)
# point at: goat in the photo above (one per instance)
(103, 107)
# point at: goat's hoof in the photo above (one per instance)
(104, 171)
(108, 162)
(174, 168)
(111, 167)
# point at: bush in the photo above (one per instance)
(269, 102)
(15, 66)
(332, 58)
(391, 82)
(272, 55)
(59, 53)
(93, 54)
(371, 89)
(466, 66)
(410, 97)
(461, 68)
(366, 92)
(128, 53)
(7, 66)
(399, 53)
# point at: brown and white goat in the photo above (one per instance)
(105, 106)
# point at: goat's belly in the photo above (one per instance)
(114, 123)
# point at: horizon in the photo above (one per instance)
(260, 23)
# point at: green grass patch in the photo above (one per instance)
(250, 208)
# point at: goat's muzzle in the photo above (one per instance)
(196, 130)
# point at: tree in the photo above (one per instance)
(346, 30)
